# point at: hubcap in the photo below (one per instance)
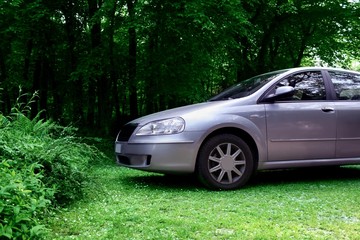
(226, 163)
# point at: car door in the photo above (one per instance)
(347, 89)
(303, 127)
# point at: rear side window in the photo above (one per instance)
(347, 85)
(308, 86)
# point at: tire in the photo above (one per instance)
(225, 162)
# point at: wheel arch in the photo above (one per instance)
(239, 133)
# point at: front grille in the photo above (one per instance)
(126, 131)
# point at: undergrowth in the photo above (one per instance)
(42, 166)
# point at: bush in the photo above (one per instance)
(42, 165)
(23, 198)
(62, 157)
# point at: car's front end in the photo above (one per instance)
(156, 152)
(162, 142)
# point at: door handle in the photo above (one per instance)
(327, 109)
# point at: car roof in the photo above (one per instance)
(321, 69)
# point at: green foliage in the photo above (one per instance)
(42, 165)
(24, 199)
(22, 105)
(62, 156)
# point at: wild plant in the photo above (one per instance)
(42, 165)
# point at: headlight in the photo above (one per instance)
(162, 127)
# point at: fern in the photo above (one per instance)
(42, 164)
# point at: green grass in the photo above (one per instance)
(293, 204)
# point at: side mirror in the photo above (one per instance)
(280, 93)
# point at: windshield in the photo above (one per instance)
(247, 87)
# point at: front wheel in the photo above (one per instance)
(225, 162)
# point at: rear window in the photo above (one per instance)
(347, 85)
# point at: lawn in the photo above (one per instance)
(293, 204)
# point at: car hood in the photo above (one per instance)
(198, 109)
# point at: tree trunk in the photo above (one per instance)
(94, 82)
(75, 93)
(308, 31)
(132, 60)
(113, 75)
(40, 83)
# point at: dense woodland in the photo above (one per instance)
(99, 63)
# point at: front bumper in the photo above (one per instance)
(157, 157)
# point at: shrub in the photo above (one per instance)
(42, 165)
(23, 198)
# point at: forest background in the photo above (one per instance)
(97, 64)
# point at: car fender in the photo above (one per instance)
(256, 131)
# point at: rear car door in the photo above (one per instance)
(303, 127)
(347, 105)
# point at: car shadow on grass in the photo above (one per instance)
(261, 178)
(161, 181)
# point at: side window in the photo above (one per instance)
(347, 85)
(308, 85)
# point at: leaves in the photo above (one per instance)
(19, 187)
(41, 165)
(186, 51)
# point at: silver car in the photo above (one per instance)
(298, 117)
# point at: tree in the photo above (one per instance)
(99, 63)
